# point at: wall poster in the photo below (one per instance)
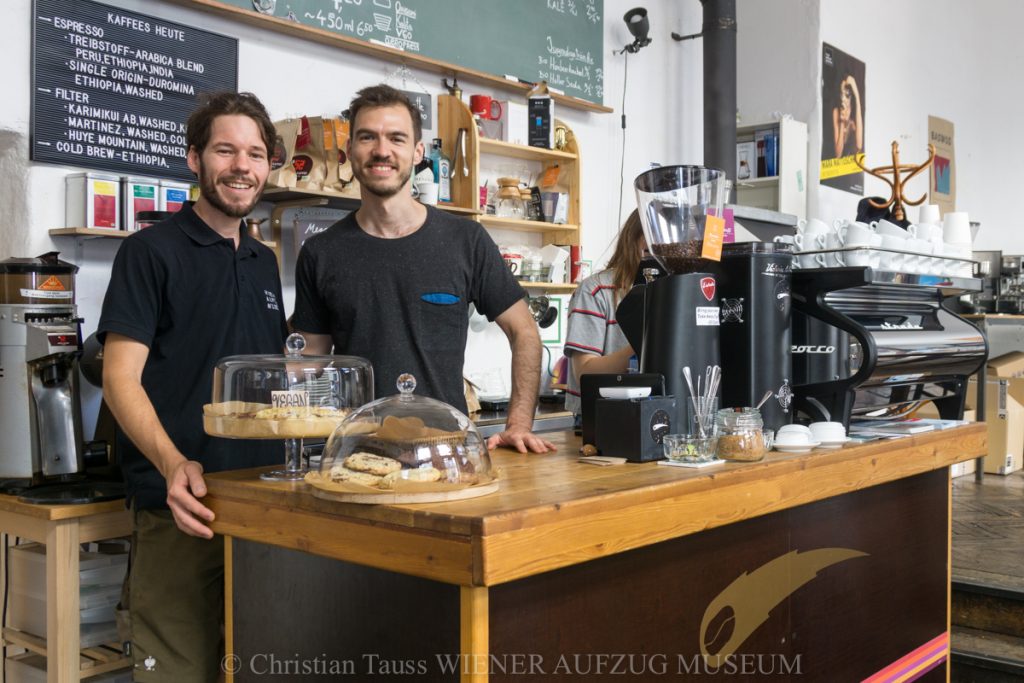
(843, 115)
(942, 187)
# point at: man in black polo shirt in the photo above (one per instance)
(183, 294)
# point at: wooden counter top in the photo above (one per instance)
(552, 511)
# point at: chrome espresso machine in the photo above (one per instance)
(40, 411)
(873, 343)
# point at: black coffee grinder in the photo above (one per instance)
(673, 319)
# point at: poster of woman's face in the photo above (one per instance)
(843, 115)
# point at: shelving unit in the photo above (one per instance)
(786, 192)
(113, 234)
(453, 115)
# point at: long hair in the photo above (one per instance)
(629, 249)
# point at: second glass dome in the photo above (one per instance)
(406, 441)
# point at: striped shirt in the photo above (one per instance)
(592, 328)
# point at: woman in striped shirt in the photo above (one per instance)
(594, 343)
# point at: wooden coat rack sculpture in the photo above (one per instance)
(897, 200)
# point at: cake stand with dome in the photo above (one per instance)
(290, 397)
(404, 449)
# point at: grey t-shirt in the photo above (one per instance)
(403, 303)
(592, 328)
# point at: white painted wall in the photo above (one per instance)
(943, 58)
(295, 77)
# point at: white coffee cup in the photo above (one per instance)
(928, 231)
(884, 227)
(956, 228)
(893, 242)
(810, 241)
(860, 257)
(929, 213)
(827, 431)
(427, 192)
(813, 226)
(861, 235)
(920, 246)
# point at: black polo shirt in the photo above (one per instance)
(192, 298)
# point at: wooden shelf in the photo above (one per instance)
(508, 149)
(550, 286)
(500, 223)
(461, 210)
(115, 234)
(289, 194)
(94, 661)
(88, 232)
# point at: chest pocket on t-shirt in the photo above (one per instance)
(442, 320)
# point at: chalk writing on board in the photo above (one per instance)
(112, 89)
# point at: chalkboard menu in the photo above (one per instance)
(112, 89)
(559, 41)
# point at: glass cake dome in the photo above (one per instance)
(289, 396)
(404, 443)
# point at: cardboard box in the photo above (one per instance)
(1004, 415)
(1009, 365)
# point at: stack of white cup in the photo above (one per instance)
(956, 232)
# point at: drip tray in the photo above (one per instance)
(73, 493)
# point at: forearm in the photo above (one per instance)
(134, 413)
(617, 361)
(526, 356)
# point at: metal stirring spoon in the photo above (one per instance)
(764, 399)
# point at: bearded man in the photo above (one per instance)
(392, 282)
(183, 294)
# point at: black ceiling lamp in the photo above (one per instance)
(639, 27)
(543, 313)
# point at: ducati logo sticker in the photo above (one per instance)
(707, 287)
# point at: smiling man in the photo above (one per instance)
(393, 281)
(183, 294)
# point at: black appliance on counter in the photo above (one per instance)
(673, 321)
(754, 289)
(876, 343)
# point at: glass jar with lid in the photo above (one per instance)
(740, 434)
(412, 446)
(509, 203)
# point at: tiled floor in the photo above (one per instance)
(988, 531)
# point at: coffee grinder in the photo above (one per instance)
(40, 411)
(673, 320)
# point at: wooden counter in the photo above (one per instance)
(555, 521)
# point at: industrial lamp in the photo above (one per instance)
(636, 22)
(544, 314)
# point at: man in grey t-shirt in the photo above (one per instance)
(393, 281)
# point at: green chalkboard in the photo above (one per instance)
(559, 41)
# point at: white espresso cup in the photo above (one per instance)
(929, 213)
(884, 227)
(956, 228)
(861, 235)
(810, 242)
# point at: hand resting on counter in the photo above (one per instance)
(523, 440)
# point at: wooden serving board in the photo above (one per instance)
(404, 498)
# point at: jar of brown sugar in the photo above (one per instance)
(740, 434)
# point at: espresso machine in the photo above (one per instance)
(673, 319)
(872, 343)
(40, 411)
